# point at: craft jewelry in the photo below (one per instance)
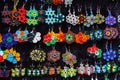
(68, 3)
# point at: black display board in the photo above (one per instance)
(79, 50)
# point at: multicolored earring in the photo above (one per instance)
(99, 19)
(86, 23)
(72, 72)
(69, 36)
(64, 72)
(50, 16)
(110, 20)
(69, 58)
(41, 15)
(53, 55)
(81, 69)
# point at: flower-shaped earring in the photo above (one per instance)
(110, 20)
(38, 55)
(99, 19)
(72, 72)
(8, 40)
(6, 15)
(68, 2)
(59, 17)
(69, 58)
(94, 51)
(53, 55)
(91, 18)
(81, 69)
(50, 16)
(98, 34)
(87, 23)
(69, 36)
(109, 54)
(21, 35)
(82, 19)
(64, 72)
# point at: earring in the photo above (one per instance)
(86, 23)
(99, 19)
(41, 15)
(68, 3)
(50, 16)
(64, 72)
(110, 20)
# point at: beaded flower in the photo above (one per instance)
(81, 38)
(50, 38)
(94, 51)
(69, 58)
(21, 35)
(72, 72)
(87, 22)
(38, 55)
(8, 40)
(1, 55)
(110, 20)
(69, 37)
(110, 54)
(53, 55)
(99, 19)
(111, 68)
(64, 72)
(82, 19)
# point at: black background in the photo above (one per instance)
(77, 49)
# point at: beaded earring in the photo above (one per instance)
(59, 16)
(22, 15)
(32, 14)
(8, 40)
(21, 35)
(110, 54)
(94, 51)
(72, 18)
(119, 53)
(50, 16)
(33, 36)
(99, 68)
(90, 18)
(41, 15)
(72, 72)
(53, 55)
(68, 3)
(110, 20)
(38, 55)
(60, 35)
(69, 36)
(64, 72)
(111, 68)
(69, 58)
(14, 15)
(99, 19)
(6, 15)
(81, 17)
(86, 23)
(81, 37)
(81, 69)
(50, 38)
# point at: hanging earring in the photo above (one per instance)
(64, 72)
(81, 69)
(72, 72)
(41, 15)
(110, 20)
(50, 16)
(99, 19)
(69, 36)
